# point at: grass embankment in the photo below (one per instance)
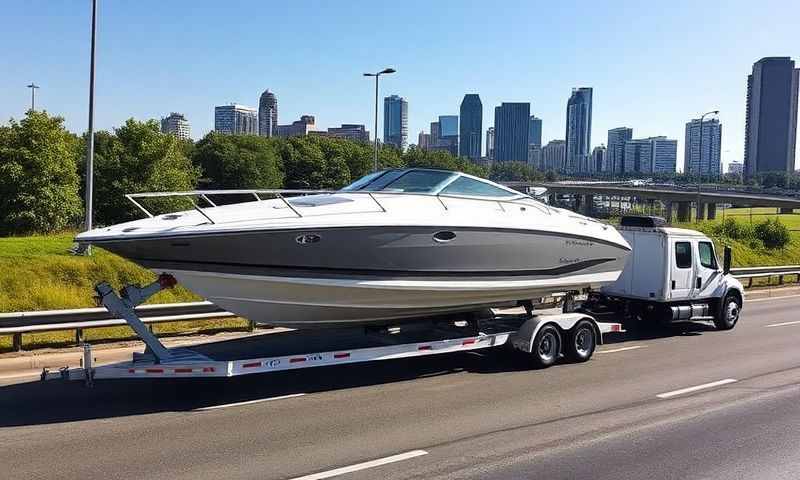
(39, 273)
(753, 254)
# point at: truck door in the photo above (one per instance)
(707, 273)
(681, 270)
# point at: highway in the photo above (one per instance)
(686, 403)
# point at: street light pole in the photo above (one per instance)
(33, 88)
(377, 75)
(90, 148)
(700, 164)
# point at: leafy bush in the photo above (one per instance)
(772, 233)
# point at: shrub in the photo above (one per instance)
(772, 233)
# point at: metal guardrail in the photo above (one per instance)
(17, 323)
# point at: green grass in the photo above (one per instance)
(745, 255)
(39, 273)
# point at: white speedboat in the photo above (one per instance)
(396, 244)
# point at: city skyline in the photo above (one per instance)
(136, 77)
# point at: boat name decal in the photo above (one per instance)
(307, 238)
(578, 243)
(569, 260)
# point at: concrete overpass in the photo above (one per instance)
(680, 199)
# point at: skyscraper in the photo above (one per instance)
(598, 160)
(511, 126)
(395, 121)
(267, 114)
(423, 140)
(771, 117)
(535, 131)
(665, 154)
(298, 128)
(651, 155)
(235, 119)
(579, 129)
(554, 155)
(470, 127)
(177, 125)
(490, 143)
(615, 154)
(448, 135)
(706, 162)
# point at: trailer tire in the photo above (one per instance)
(728, 313)
(546, 347)
(581, 342)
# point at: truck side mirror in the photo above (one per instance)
(726, 260)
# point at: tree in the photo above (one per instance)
(38, 176)
(137, 157)
(307, 168)
(239, 161)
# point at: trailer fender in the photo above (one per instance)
(523, 338)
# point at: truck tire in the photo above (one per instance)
(581, 342)
(546, 347)
(728, 313)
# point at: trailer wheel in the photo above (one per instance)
(581, 342)
(728, 313)
(546, 346)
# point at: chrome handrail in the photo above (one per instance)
(279, 194)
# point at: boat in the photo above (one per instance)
(394, 245)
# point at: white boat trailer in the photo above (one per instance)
(545, 338)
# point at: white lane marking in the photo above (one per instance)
(696, 388)
(772, 298)
(783, 324)
(363, 466)
(250, 402)
(623, 349)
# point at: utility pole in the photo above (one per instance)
(90, 148)
(376, 75)
(33, 88)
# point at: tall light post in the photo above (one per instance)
(33, 88)
(377, 75)
(700, 164)
(90, 148)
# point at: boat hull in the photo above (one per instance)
(308, 278)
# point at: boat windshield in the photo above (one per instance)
(396, 180)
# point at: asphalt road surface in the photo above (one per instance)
(632, 412)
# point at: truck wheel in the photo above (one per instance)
(581, 342)
(546, 346)
(728, 313)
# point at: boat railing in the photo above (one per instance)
(281, 194)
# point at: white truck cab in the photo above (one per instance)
(673, 274)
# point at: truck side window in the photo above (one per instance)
(707, 258)
(683, 254)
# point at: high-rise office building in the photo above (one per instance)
(177, 125)
(490, 143)
(615, 153)
(395, 121)
(267, 114)
(298, 128)
(511, 126)
(423, 140)
(447, 138)
(554, 155)
(535, 156)
(579, 129)
(535, 131)
(470, 127)
(235, 119)
(707, 162)
(651, 155)
(598, 163)
(771, 116)
(348, 131)
(735, 168)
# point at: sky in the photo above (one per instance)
(653, 66)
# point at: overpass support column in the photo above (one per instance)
(553, 199)
(787, 210)
(700, 214)
(668, 211)
(588, 205)
(576, 201)
(711, 212)
(684, 211)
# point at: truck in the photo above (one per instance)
(672, 275)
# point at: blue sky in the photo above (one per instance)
(653, 67)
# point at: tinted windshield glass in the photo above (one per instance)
(413, 181)
(365, 180)
(475, 188)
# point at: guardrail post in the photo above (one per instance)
(78, 336)
(780, 279)
(17, 342)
